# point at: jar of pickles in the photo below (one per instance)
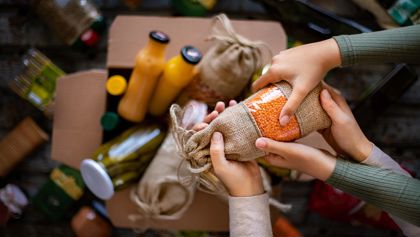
(75, 22)
(37, 80)
(121, 161)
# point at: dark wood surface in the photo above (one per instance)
(396, 131)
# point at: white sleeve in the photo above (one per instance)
(250, 216)
(380, 159)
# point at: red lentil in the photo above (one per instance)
(265, 107)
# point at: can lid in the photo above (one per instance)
(116, 85)
(191, 54)
(159, 36)
(96, 179)
(109, 121)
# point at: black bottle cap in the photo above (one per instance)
(191, 54)
(159, 36)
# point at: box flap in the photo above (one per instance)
(79, 105)
(129, 34)
(207, 212)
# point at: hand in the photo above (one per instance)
(241, 179)
(344, 135)
(303, 67)
(314, 162)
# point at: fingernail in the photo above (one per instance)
(326, 94)
(217, 136)
(284, 120)
(261, 143)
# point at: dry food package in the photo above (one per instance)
(243, 123)
(159, 194)
(228, 65)
(19, 143)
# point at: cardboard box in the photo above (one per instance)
(79, 105)
(80, 102)
(129, 34)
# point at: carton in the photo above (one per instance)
(129, 34)
(80, 102)
(79, 105)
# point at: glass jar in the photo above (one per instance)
(37, 80)
(121, 161)
(75, 22)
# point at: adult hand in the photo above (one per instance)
(303, 67)
(241, 179)
(344, 135)
(314, 162)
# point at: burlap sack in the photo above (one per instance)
(240, 130)
(159, 194)
(228, 65)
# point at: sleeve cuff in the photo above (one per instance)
(346, 49)
(340, 171)
(250, 216)
(380, 159)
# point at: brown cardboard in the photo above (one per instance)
(129, 34)
(207, 212)
(79, 105)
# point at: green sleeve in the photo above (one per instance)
(400, 45)
(396, 194)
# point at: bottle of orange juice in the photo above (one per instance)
(177, 74)
(150, 62)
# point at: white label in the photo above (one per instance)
(34, 98)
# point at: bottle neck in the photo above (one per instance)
(155, 48)
(183, 66)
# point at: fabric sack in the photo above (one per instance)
(243, 123)
(159, 194)
(228, 65)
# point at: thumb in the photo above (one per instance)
(330, 106)
(292, 104)
(287, 150)
(217, 150)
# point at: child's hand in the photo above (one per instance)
(344, 135)
(303, 67)
(241, 179)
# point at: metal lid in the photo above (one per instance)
(109, 121)
(96, 179)
(159, 36)
(116, 85)
(191, 54)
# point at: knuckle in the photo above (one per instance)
(215, 150)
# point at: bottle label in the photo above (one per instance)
(67, 183)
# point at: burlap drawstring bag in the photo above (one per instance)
(243, 123)
(159, 194)
(228, 65)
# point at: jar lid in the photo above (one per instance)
(109, 121)
(96, 179)
(116, 85)
(159, 36)
(191, 54)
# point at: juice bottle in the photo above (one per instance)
(177, 74)
(150, 62)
